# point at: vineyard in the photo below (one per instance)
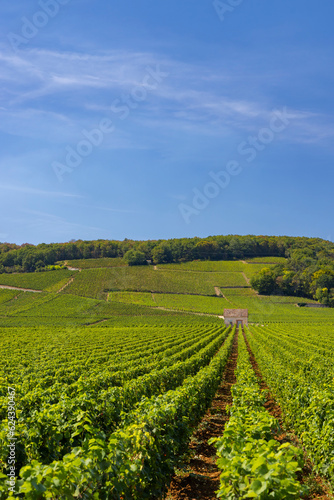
(37, 281)
(107, 403)
(170, 301)
(113, 370)
(96, 282)
(252, 463)
(94, 263)
(298, 365)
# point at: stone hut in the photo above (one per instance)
(237, 317)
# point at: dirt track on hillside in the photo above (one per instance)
(7, 287)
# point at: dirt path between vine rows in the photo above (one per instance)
(97, 322)
(318, 488)
(200, 479)
(66, 285)
(219, 293)
(188, 312)
(246, 278)
(7, 287)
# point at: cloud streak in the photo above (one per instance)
(196, 98)
(37, 192)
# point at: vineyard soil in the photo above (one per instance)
(199, 477)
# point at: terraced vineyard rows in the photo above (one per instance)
(95, 263)
(194, 303)
(96, 282)
(262, 308)
(53, 309)
(37, 281)
(7, 295)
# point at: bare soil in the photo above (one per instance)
(66, 285)
(20, 289)
(246, 278)
(200, 477)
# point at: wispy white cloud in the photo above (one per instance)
(54, 72)
(37, 192)
(117, 210)
(35, 123)
(53, 222)
(198, 98)
(109, 209)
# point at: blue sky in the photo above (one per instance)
(150, 120)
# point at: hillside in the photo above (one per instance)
(205, 287)
(304, 267)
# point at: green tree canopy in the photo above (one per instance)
(264, 282)
(135, 258)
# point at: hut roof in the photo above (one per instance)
(233, 313)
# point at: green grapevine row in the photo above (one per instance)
(52, 420)
(137, 460)
(303, 390)
(253, 463)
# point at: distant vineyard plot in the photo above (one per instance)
(220, 266)
(272, 308)
(97, 282)
(190, 303)
(261, 308)
(267, 260)
(53, 309)
(95, 263)
(7, 295)
(36, 281)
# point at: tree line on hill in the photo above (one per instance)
(308, 272)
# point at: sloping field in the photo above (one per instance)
(36, 281)
(263, 308)
(95, 263)
(7, 295)
(96, 283)
(267, 260)
(67, 310)
(190, 303)
(219, 266)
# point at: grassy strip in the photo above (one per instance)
(253, 464)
